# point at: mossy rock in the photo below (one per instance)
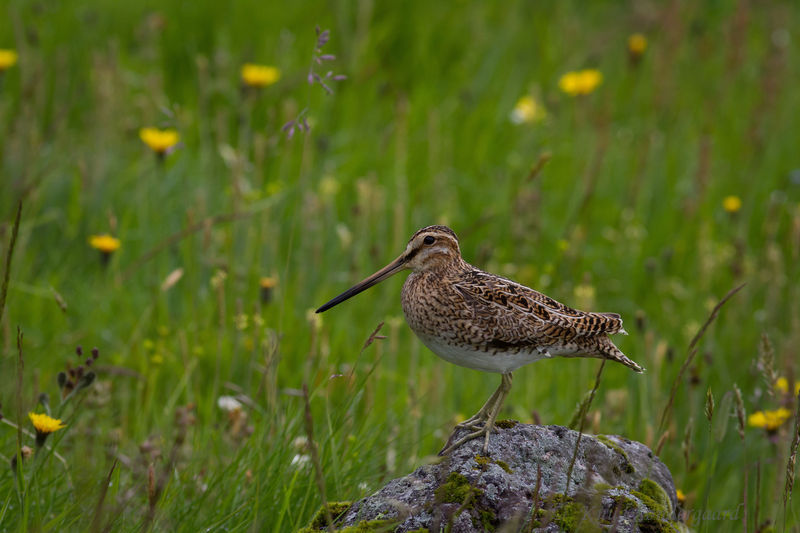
(371, 526)
(320, 521)
(626, 463)
(456, 489)
(486, 520)
(624, 503)
(574, 517)
(602, 487)
(365, 526)
(656, 492)
(504, 466)
(656, 499)
(484, 462)
(506, 424)
(653, 496)
(465, 491)
(652, 523)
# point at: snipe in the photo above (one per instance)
(482, 321)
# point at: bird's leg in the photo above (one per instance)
(476, 420)
(505, 388)
(489, 413)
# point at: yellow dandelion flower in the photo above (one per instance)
(769, 420)
(680, 495)
(580, 82)
(159, 141)
(732, 203)
(259, 75)
(782, 385)
(527, 111)
(105, 243)
(44, 425)
(8, 58)
(637, 44)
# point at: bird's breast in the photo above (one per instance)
(437, 313)
(430, 306)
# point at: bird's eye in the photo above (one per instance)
(429, 240)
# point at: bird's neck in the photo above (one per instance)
(445, 265)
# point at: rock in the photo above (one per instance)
(615, 485)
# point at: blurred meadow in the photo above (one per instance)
(662, 173)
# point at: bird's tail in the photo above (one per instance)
(608, 350)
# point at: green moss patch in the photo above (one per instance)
(484, 462)
(504, 466)
(371, 526)
(652, 523)
(456, 490)
(572, 517)
(656, 492)
(654, 497)
(623, 503)
(626, 463)
(320, 521)
(602, 487)
(506, 424)
(337, 509)
(485, 520)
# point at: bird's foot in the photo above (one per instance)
(474, 423)
(482, 423)
(480, 431)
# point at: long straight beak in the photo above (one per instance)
(392, 268)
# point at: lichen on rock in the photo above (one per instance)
(469, 492)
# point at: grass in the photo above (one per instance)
(626, 215)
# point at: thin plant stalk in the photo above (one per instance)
(692, 352)
(312, 445)
(585, 410)
(790, 463)
(9, 254)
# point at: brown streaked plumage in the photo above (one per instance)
(482, 321)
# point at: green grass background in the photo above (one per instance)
(625, 216)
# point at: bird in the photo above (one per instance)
(486, 322)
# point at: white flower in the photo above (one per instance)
(300, 460)
(229, 403)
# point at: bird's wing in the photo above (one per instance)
(493, 296)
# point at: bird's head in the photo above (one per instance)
(430, 248)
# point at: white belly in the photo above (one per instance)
(499, 362)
